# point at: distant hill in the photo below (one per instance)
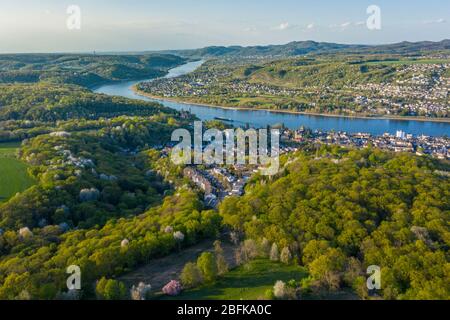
(84, 69)
(305, 47)
(411, 47)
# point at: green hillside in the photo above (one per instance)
(248, 282)
(85, 69)
(13, 173)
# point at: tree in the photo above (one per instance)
(140, 291)
(191, 276)
(240, 256)
(89, 194)
(235, 237)
(353, 270)
(25, 233)
(279, 289)
(264, 248)
(360, 287)
(314, 249)
(179, 238)
(328, 268)
(250, 248)
(173, 288)
(47, 291)
(286, 256)
(218, 247)
(110, 289)
(13, 285)
(208, 266)
(274, 254)
(222, 264)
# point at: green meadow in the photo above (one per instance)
(247, 282)
(13, 172)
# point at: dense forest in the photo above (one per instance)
(95, 182)
(28, 110)
(340, 211)
(50, 103)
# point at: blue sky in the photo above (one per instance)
(134, 25)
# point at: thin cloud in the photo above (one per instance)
(250, 29)
(436, 21)
(283, 26)
(347, 24)
(309, 27)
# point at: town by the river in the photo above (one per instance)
(262, 118)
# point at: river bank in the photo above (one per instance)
(187, 102)
(259, 118)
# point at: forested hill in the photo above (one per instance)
(305, 47)
(49, 103)
(84, 69)
(344, 211)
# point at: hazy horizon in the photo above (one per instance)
(216, 45)
(137, 25)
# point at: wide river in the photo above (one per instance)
(259, 118)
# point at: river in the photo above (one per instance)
(260, 118)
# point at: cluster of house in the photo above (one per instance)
(420, 90)
(194, 84)
(207, 83)
(423, 91)
(438, 147)
(217, 183)
(202, 181)
(236, 185)
(238, 86)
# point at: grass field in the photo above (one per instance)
(249, 282)
(13, 173)
(8, 149)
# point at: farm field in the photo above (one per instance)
(247, 282)
(13, 173)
